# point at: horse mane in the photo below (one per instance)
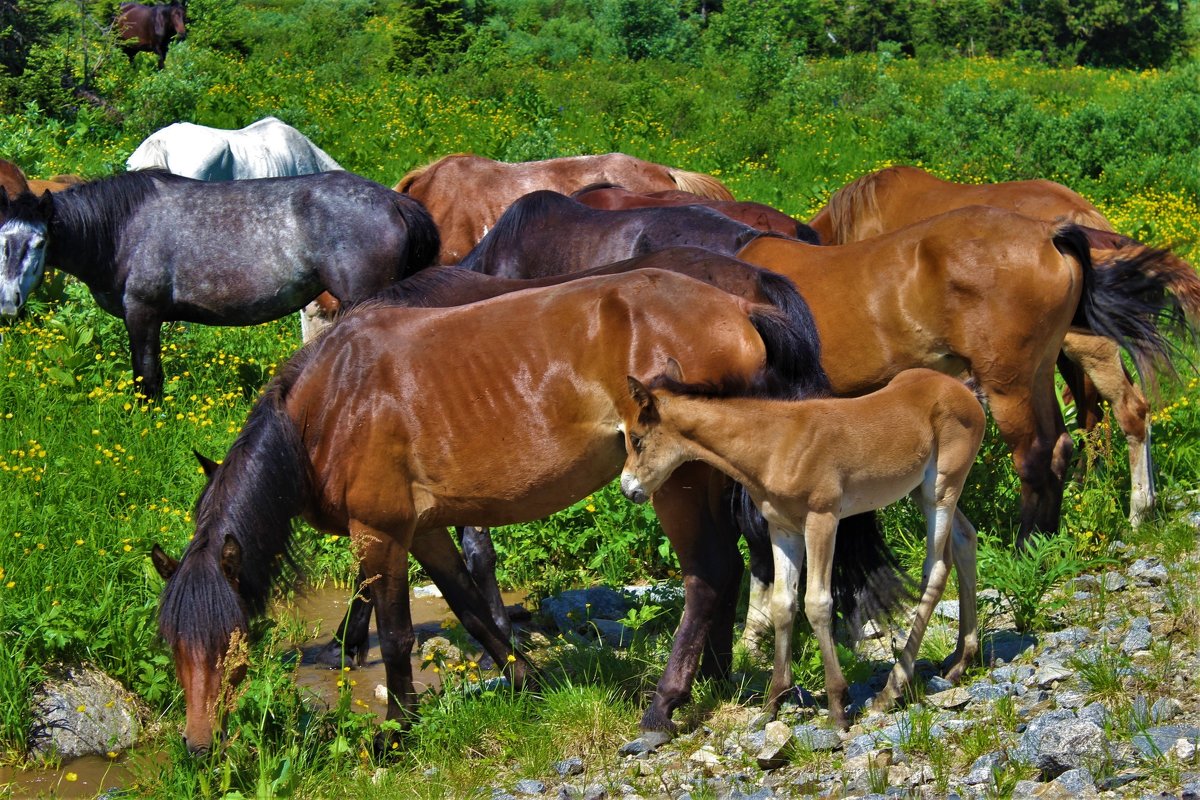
(505, 235)
(406, 182)
(594, 187)
(421, 234)
(97, 210)
(264, 482)
(424, 289)
(699, 183)
(853, 202)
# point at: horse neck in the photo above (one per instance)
(80, 242)
(738, 436)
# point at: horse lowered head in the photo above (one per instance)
(177, 15)
(23, 223)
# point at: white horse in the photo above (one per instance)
(269, 148)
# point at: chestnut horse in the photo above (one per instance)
(547, 233)
(897, 196)
(57, 183)
(610, 197)
(12, 179)
(809, 463)
(466, 194)
(365, 432)
(145, 28)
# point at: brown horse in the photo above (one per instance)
(897, 196)
(58, 183)
(366, 433)
(986, 292)
(609, 197)
(466, 194)
(145, 28)
(809, 463)
(12, 179)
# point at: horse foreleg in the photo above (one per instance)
(480, 555)
(689, 510)
(787, 550)
(435, 551)
(145, 330)
(963, 548)
(1100, 358)
(385, 563)
(351, 640)
(820, 532)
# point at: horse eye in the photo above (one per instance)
(636, 441)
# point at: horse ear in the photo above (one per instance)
(647, 410)
(231, 559)
(673, 370)
(46, 204)
(207, 464)
(163, 563)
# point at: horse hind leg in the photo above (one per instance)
(1100, 359)
(963, 547)
(762, 574)
(819, 534)
(480, 556)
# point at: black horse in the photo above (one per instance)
(154, 247)
(547, 233)
(150, 28)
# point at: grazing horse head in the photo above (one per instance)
(23, 223)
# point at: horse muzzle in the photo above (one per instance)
(632, 488)
(9, 306)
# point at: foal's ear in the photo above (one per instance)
(639, 393)
(207, 464)
(673, 370)
(231, 559)
(163, 563)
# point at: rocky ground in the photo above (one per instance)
(1101, 703)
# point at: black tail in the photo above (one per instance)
(1127, 297)
(424, 240)
(790, 336)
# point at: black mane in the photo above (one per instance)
(96, 211)
(506, 234)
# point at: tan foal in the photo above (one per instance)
(809, 463)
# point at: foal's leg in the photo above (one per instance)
(820, 532)
(1100, 358)
(758, 610)
(688, 506)
(436, 552)
(480, 555)
(787, 548)
(963, 547)
(938, 505)
(145, 330)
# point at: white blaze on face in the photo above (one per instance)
(22, 262)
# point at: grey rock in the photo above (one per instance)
(1068, 637)
(572, 609)
(1026, 790)
(81, 711)
(1165, 709)
(988, 692)
(611, 632)
(529, 786)
(427, 590)
(1077, 782)
(1153, 742)
(1049, 674)
(1070, 699)
(1114, 581)
(1006, 645)
(1095, 713)
(500, 794)
(947, 609)
(569, 766)
(816, 739)
(1086, 583)
(777, 744)
(1057, 741)
(1136, 640)
(982, 768)
(1148, 570)
(1012, 674)
(648, 742)
(1121, 779)
(956, 697)
(937, 684)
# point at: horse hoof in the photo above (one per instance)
(334, 657)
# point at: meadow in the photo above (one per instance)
(91, 476)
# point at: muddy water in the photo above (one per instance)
(319, 609)
(325, 609)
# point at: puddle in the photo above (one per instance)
(84, 777)
(326, 608)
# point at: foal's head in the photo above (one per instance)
(23, 223)
(654, 448)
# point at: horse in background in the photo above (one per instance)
(268, 148)
(145, 28)
(610, 197)
(808, 464)
(547, 233)
(466, 193)
(154, 247)
(56, 183)
(12, 179)
(892, 198)
(367, 433)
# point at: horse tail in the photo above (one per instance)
(789, 334)
(699, 183)
(264, 483)
(807, 234)
(422, 236)
(1129, 292)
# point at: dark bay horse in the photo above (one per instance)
(610, 197)
(365, 432)
(989, 293)
(154, 247)
(891, 198)
(547, 233)
(466, 194)
(150, 28)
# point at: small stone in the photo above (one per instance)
(1077, 782)
(947, 609)
(1070, 699)
(950, 699)
(705, 757)
(529, 786)
(648, 742)
(428, 590)
(1049, 674)
(1184, 750)
(1148, 570)
(1156, 741)
(776, 748)
(1114, 582)
(569, 766)
(937, 684)
(1165, 709)
(1135, 641)
(816, 739)
(984, 767)
(611, 632)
